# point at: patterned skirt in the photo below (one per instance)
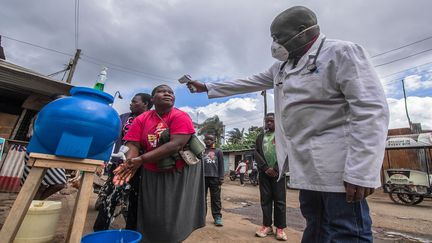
(53, 176)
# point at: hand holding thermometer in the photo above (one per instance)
(185, 80)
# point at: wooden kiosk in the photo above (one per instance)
(40, 163)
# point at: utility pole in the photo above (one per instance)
(72, 65)
(264, 93)
(406, 107)
(224, 141)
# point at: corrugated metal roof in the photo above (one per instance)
(12, 169)
(238, 150)
(18, 78)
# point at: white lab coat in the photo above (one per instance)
(332, 123)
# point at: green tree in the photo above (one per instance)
(235, 136)
(251, 135)
(212, 125)
(239, 140)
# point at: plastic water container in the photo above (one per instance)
(40, 222)
(83, 125)
(113, 236)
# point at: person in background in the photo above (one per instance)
(140, 103)
(272, 191)
(214, 176)
(171, 202)
(331, 118)
(241, 169)
(54, 179)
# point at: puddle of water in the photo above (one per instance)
(296, 221)
(393, 236)
(408, 237)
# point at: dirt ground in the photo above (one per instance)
(242, 216)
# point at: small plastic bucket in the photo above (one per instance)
(40, 222)
(113, 236)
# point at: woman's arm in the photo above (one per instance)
(134, 148)
(126, 170)
(177, 142)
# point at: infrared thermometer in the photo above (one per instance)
(186, 79)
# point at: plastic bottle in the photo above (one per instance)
(100, 84)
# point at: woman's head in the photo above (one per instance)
(163, 96)
(140, 103)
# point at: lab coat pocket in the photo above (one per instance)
(303, 87)
(329, 154)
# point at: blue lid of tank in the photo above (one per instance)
(76, 90)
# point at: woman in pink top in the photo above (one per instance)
(171, 200)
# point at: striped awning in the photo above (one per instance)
(12, 169)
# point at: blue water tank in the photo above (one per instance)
(83, 125)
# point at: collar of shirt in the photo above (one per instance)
(306, 49)
(311, 52)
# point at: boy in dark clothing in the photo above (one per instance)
(272, 192)
(214, 176)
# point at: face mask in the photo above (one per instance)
(280, 52)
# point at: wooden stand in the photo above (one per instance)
(40, 163)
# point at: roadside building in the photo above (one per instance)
(23, 93)
(233, 157)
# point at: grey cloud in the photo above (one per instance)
(203, 38)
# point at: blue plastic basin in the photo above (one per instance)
(113, 236)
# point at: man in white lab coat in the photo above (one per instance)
(332, 120)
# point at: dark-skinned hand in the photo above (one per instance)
(221, 181)
(124, 172)
(271, 172)
(199, 87)
(356, 193)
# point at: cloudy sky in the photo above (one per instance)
(146, 43)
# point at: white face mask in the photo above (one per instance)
(280, 52)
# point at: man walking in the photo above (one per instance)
(214, 176)
(272, 191)
(241, 169)
(331, 121)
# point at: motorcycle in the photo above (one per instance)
(233, 175)
(251, 176)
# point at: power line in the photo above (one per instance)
(100, 62)
(398, 48)
(168, 79)
(214, 112)
(421, 65)
(127, 68)
(418, 53)
(61, 71)
(240, 122)
(38, 46)
(126, 71)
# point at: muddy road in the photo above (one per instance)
(242, 216)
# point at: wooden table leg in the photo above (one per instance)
(21, 204)
(79, 214)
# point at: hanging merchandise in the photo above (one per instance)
(100, 84)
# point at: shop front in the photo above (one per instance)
(23, 93)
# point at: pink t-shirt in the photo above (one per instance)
(147, 127)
